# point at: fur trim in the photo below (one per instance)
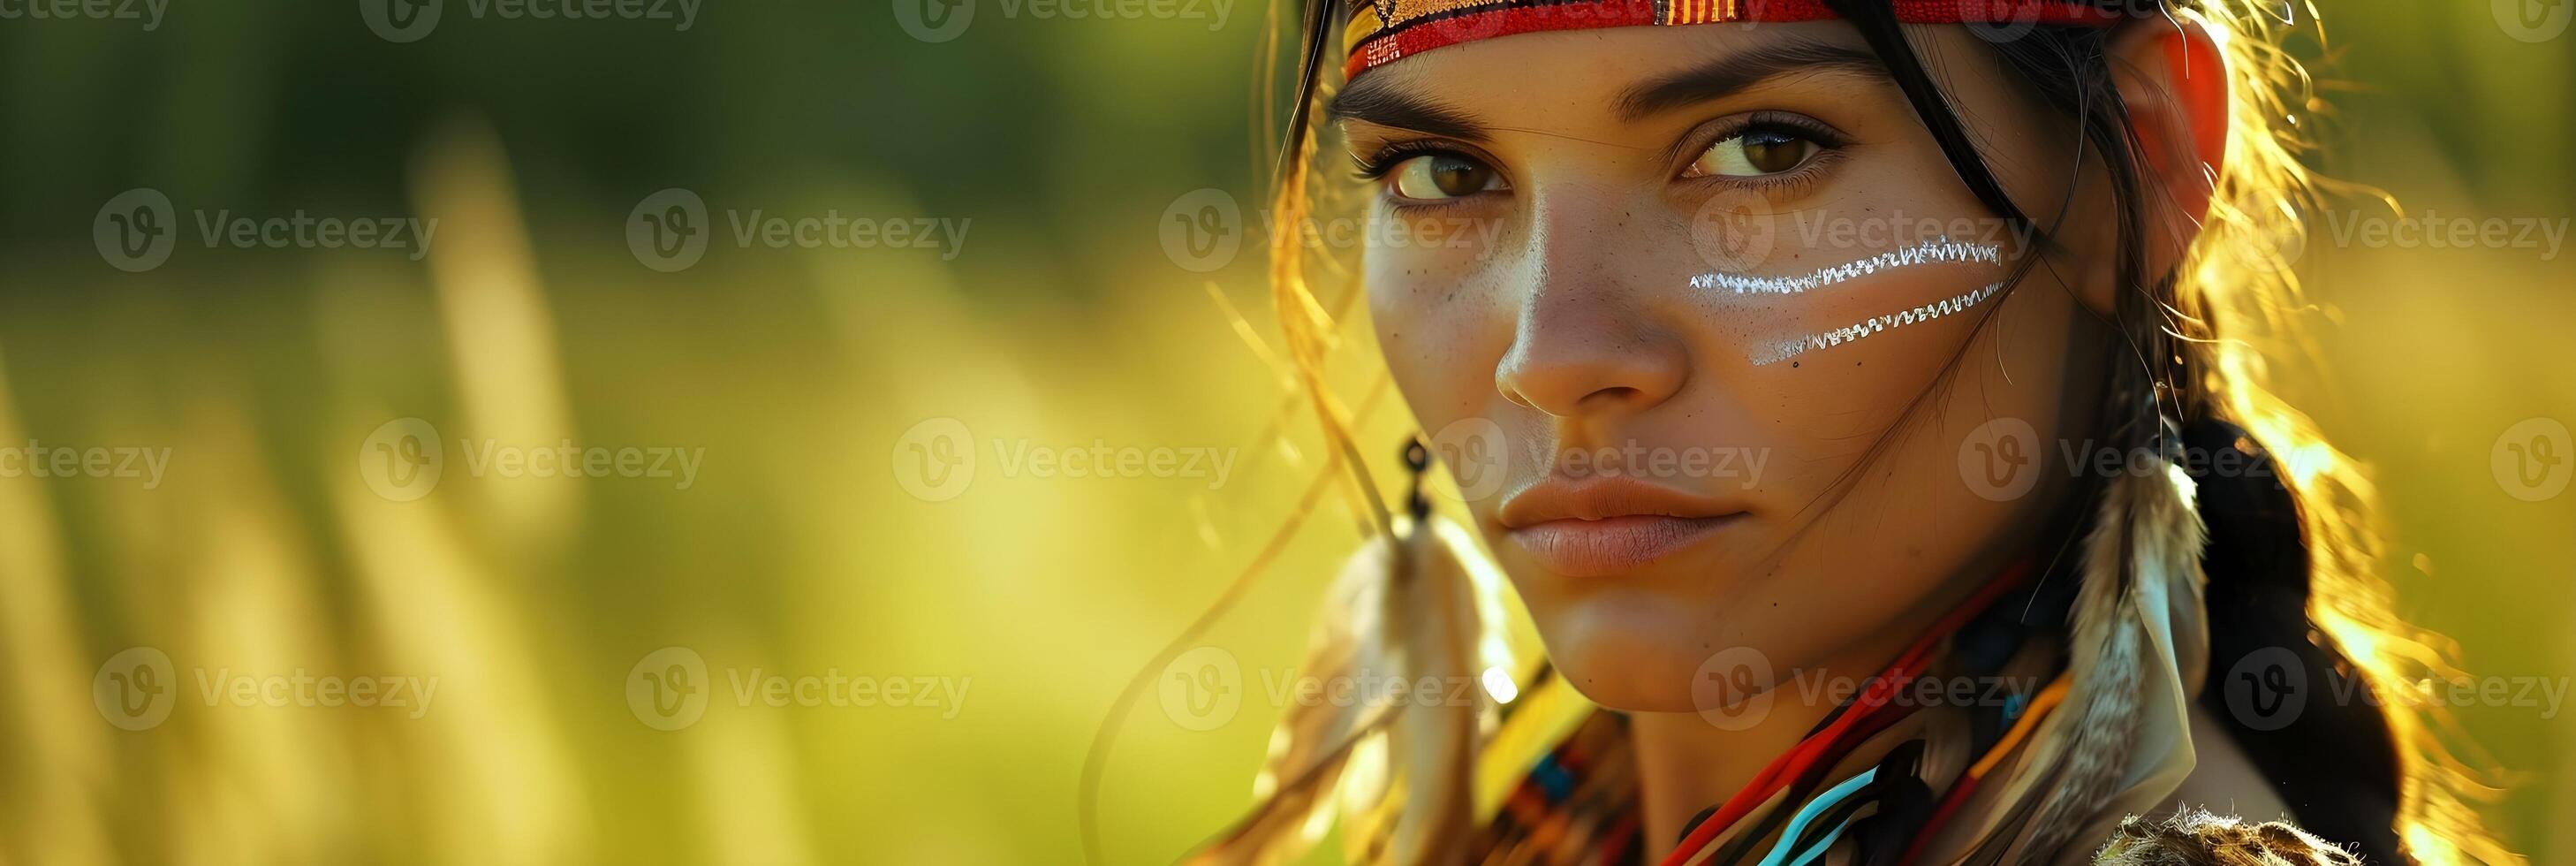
(2198, 838)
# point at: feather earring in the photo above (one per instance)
(1393, 763)
(2141, 567)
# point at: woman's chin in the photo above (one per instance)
(1648, 655)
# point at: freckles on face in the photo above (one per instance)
(1715, 278)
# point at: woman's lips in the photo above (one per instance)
(1611, 546)
(1607, 525)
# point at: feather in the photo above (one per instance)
(1315, 739)
(2147, 531)
(1434, 608)
(1394, 769)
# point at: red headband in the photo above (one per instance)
(1384, 31)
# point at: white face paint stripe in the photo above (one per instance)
(1787, 349)
(1930, 252)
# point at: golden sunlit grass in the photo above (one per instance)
(796, 552)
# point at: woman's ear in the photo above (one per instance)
(2174, 82)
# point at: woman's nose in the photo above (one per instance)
(1583, 350)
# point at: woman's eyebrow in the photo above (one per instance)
(1380, 101)
(1738, 71)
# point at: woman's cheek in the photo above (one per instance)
(1442, 327)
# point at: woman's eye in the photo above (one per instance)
(1755, 152)
(1437, 176)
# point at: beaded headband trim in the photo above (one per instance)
(1384, 31)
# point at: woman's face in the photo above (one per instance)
(1663, 309)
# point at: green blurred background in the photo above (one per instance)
(803, 376)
